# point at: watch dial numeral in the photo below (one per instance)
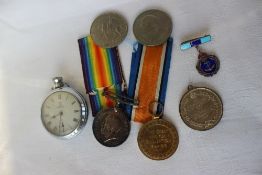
(75, 120)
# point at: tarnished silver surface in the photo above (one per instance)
(201, 108)
(111, 127)
(152, 27)
(109, 30)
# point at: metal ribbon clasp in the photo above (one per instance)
(121, 98)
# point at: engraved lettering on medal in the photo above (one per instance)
(158, 139)
(201, 109)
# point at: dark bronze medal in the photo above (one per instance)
(111, 127)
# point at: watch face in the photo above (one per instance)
(61, 113)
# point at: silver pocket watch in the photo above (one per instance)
(64, 112)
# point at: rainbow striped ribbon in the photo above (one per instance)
(148, 78)
(101, 70)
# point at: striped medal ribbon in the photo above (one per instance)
(148, 78)
(102, 71)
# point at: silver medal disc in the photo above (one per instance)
(152, 27)
(109, 30)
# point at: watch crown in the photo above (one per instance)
(58, 82)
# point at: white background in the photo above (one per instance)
(38, 40)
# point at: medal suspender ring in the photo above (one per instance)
(156, 109)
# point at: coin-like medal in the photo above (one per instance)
(111, 127)
(109, 30)
(158, 139)
(152, 27)
(201, 108)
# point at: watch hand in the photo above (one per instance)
(54, 116)
(63, 126)
(60, 114)
(62, 122)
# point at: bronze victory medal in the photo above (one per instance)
(152, 27)
(201, 108)
(158, 139)
(111, 127)
(109, 30)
